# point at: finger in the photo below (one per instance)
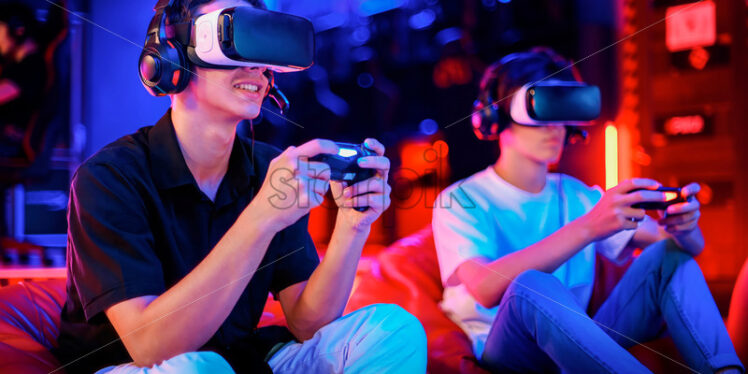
(635, 183)
(320, 186)
(311, 192)
(683, 228)
(374, 162)
(374, 145)
(303, 192)
(316, 199)
(315, 147)
(690, 190)
(366, 186)
(679, 219)
(634, 214)
(630, 225)
(337, 189)
(680, 208)
(312, 185)
(660, 214)
(372, 200)
(642, 196)
(317, 170)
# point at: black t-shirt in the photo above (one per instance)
(29, 75)
(138, 223)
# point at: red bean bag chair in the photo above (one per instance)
(29, 325)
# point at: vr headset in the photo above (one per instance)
(555, 102)
(226, 38)
(245, 36)
(541, 103)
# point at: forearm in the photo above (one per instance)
(186, 316)
(329, 287)
(490, 280)
(692, 242)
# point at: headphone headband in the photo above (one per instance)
(163, 66)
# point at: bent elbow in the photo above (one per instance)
(143, 352)
(487, 302)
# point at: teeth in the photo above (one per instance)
(247, 87)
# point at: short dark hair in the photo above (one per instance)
(183, 10)
(536, 64)
(19, 16)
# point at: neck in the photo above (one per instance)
(206, 140)
(520, 171)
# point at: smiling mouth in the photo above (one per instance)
(247, 87)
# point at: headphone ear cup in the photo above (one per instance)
(163, 69)
(575, 135)
(149, 68)
(488, 120)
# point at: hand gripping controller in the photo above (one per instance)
(344, 165)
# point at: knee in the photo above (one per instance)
(196, 362)
(399, 327)
(531, 282)
(665, 255)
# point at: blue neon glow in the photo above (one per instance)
(422, 19)
(428, 126)
(371, 7)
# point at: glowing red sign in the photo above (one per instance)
(684, 125)
(691, 25)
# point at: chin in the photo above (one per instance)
(246, 111)
(550, 158)
(251, 113)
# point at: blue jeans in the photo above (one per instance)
(541, 328)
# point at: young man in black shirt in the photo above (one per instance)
(178, 232)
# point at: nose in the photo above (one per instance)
(555, 129)
(255, 69)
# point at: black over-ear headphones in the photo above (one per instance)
(163, 64)
(489, 119)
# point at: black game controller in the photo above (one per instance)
(344, 165)
(672, 195)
